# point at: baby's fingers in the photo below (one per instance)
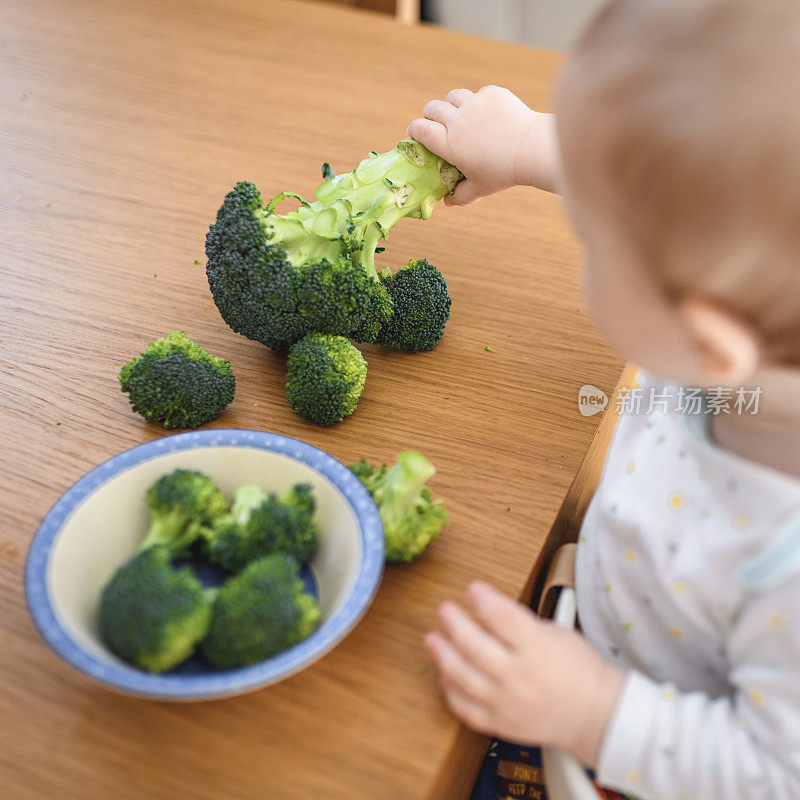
(475, 645)
(465, 194)
(507, 619)
(431, 134)
(459, 96)
(454, 670)
(439, 111)
(473, 713)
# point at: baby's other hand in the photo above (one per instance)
(523, 678)
(492, 137)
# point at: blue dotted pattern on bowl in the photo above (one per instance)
(218, 683)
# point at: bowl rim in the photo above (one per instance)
(129, 679)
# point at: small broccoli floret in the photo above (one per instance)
(421, 306)
(178, 384)
(151, 614)
(259, 612)
(276, 278)
(261, 524)
(182, 505)
(325, 377)
(411, 520)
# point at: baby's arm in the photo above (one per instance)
(524, 679)
(493, 138)
(664, 743)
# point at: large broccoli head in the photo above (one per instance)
(182, 504)
(261, 524)
(276, 278)
(151, 614)
(259, 612)
(411, 519)
(421, 307)
(325, 376)
(178, 384)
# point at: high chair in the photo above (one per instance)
(564, 777)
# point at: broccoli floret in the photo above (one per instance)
(411, 520)
(178, 384)
(276, 278)
(182, 505)
(325, 377)
(258, 613)
(421, 307)
(151, 614)
(371, 476)
(261, 524)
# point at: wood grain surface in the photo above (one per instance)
(122, 125)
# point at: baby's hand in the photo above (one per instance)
(493, 138)
(523, 678)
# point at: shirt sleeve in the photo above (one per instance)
(665, 744)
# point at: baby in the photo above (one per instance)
(676, 147)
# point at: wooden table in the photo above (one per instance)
(122, 125)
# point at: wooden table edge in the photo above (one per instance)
(467, 749)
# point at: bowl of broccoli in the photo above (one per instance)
(205, 564)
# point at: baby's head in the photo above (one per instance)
(679, 128)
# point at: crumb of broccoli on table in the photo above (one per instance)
(178, 384)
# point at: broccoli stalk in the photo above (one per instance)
(359, 207)
(411, 520)
(172, 529)
(276, 278)
(245, 500)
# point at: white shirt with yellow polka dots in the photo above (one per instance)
(688, 575)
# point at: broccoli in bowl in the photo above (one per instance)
(211, 580)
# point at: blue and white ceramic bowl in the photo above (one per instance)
(99, 522)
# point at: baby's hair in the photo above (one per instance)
(691, 110)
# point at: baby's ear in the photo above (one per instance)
(728, 349)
